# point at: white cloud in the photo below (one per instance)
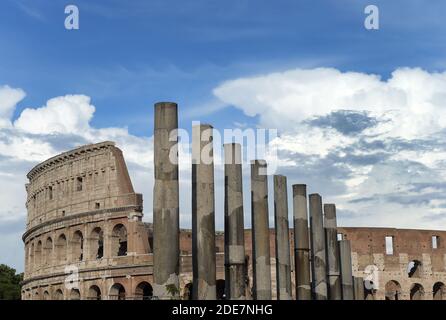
(380, 162)
(9, 97)
(413, 98)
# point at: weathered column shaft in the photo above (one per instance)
(301, 243)
(234, 224)
(203, 214)
(358, 283)
(345, 253)
(166, 202)
(260, 231)
(318, 252)
(283, 263)
(333, 265)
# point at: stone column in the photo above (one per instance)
(283, 263)
(333, 265)
(203, 214)
(318, 252)
(260, 231)
(346, 269)
(301, 243)
(166, 202)
(234, 224)
(358, 283)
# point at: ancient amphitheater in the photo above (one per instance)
(85, 239)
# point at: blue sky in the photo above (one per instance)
(374, 125)
(128, 54)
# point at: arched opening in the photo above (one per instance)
(393, 290)
(414, 269)
(38, 253)
(75, 294)
(119, 240)
(117, 292)
(221, 289)
(36, 296)
(144, 291)
(94, 293)
(439, 291)
(48, 251)
(78, 246)
(58, 295)
(46, 295)
(97, 244)
(416, 292)
(187, 294)
(61, 248)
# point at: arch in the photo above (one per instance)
(393, 290)
(117, 292)
(58, 295)
(416, 292)
(75, 294)
(144, 291)
(61, 249)
(77, 246)
(414, 269)
(46, 295)
(94, 293)
(187, 294)
(38, 253)
(48, 251)
(36, 295)
(439, 291)
(96, 244)
(119, 240)
(220, 284)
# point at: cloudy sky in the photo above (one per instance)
(361, 115)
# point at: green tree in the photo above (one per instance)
(9, 283)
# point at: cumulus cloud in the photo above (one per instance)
(361, 141)
(9, 97)
(42, 132)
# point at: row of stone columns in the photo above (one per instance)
(330, 258)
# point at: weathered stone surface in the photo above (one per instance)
(346, 269)
(333, 265)
(203, 214)
(166, 201)
(260, 233)
(358, 284)
(283, 263)
(301, 243)
(318, 252)
(234, 224)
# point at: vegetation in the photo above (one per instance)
(9, 283)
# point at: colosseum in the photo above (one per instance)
(85, 239)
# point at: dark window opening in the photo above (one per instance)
(50, 193)
(122, 248)
(79, 181)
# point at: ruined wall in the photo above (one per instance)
(414, 267)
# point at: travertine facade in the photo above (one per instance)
(84, 217)
(85, 239)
